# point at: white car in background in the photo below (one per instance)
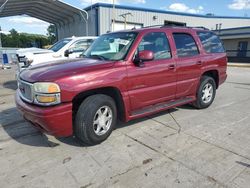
(23, 51)
(66, 48)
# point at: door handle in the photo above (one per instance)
(171, 67)
(199, 63)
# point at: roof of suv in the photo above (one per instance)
(162, 27)
(85, 37)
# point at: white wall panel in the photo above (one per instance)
(146, 18)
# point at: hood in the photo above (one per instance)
(52, 71)
(42, 57)
(24, 51)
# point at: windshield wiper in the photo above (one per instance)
(82, 55)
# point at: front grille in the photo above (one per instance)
(25, 90)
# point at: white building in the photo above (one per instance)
(237, 43)
(101, 16)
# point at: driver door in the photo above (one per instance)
(155, 82)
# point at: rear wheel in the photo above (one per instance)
(95, 119)
(206, 92)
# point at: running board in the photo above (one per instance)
(161, 106)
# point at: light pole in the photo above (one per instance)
(0, 37)
(2, 6)
(86, 20)
(113, 16)
(125, 18)
(1, 9)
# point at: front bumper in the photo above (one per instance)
(53, 120)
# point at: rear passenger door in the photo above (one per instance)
(188, 64)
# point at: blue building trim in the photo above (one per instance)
(234, 28)
(234, 34)
(160, 11)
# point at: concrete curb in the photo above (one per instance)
(245, 65)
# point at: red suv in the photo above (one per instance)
(125, 75)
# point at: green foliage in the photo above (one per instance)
(51, 33)
(24, 40)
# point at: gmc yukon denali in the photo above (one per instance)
(126, 75)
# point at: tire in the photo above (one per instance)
(204, 95)
(95, 119)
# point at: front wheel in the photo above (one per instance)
(95, 119)
(206, 92)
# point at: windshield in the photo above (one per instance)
(61, 43)
(113, 46)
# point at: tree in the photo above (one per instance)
(15, 42)
(24, 40)
(13, 32)
(51, 33)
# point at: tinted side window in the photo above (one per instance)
(211, 42)
(60, 44)
(185, 45)
(81, 45)
(158, 43)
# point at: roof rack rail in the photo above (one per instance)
(175, 26)
(151, 26)
(200, 27)
(191, 27)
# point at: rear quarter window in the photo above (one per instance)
(211, 42)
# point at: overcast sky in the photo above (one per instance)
(217, 7)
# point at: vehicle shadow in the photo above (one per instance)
(73, 141)
(10, 84)
(120, 125)
(20, 130)
(187, 107)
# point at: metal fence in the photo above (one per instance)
(241, 56)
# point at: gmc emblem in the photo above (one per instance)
(22, 89)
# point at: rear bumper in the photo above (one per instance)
(55, 120)
(223, 78)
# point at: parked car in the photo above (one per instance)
(125, 75)
(21, 54)
(63, 49)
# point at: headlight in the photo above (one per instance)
(46, 87)
(46, 93)
(29, 61)
(29, 58)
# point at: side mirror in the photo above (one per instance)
(145, 55)
(66, 53)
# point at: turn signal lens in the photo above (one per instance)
(53, 88)
(46, 99)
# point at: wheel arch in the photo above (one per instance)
(214, 74)
(113, 92)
